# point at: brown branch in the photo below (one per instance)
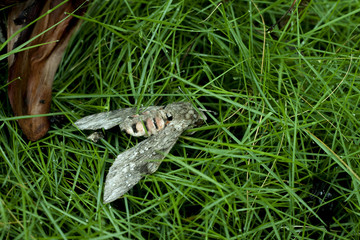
(31, 72)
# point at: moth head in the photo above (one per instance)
(201, 117)
(184, 112)
(196, 116)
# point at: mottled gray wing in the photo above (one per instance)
(105, 120)
(145, 158)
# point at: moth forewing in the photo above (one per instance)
(143, 159)
(105, 120)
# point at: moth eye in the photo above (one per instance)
(169, 117)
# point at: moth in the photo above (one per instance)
(163, 125)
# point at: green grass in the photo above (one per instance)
(284, 110)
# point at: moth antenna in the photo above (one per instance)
(184, 94)
(206, 110)
(201, 109)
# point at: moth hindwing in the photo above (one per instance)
(162, 125)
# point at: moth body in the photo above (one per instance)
(162, 126)
(146, 124)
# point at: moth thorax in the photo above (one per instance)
(190, 115)
(150, 126)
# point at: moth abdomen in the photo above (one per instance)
(136, 129)
(147, 127)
